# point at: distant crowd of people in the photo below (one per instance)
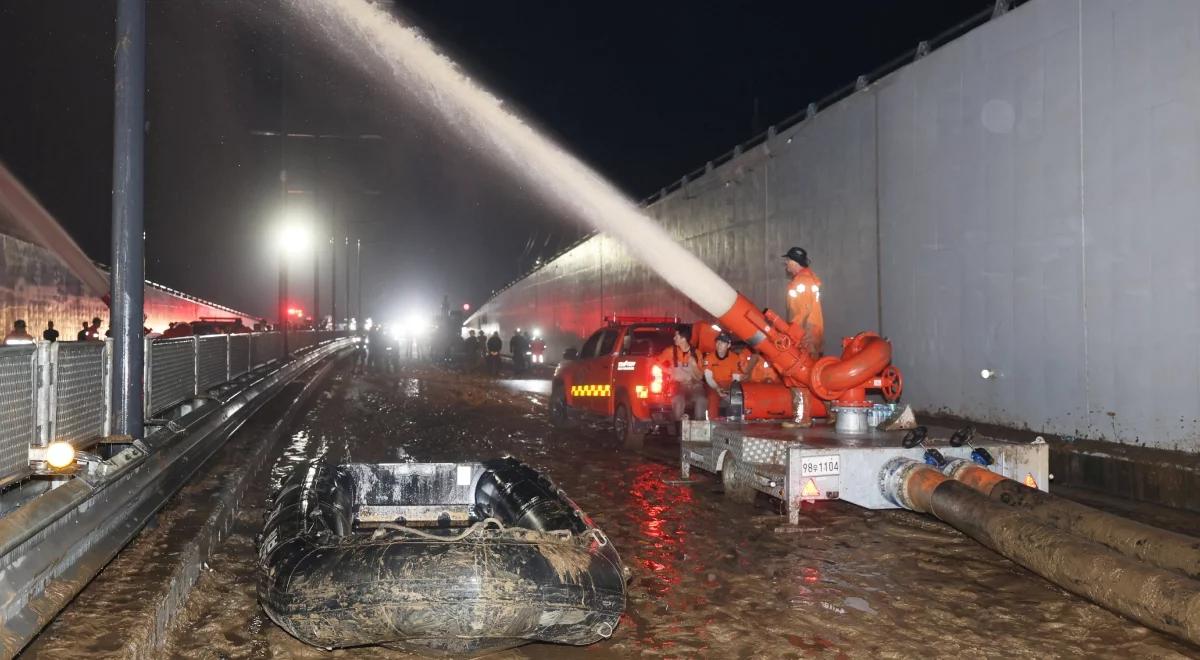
(90, 331)
(486, 349)
(19, 334)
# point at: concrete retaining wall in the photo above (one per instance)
(36, 287)
(1023, 199)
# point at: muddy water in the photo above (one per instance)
(711, 578)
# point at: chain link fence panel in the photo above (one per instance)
(212, 352)
(80, 406)
(18, 407)
(265, 347)
(239, 355)
(172, 376)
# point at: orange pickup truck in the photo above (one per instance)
(615, 377)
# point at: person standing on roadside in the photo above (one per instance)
(516, 346)
(494, 345)
(18, 335)
(50, 334)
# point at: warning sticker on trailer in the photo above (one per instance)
(820, 466)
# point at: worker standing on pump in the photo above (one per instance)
(722, 368)
(682, 363)
(804, 301)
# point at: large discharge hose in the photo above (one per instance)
(1165, 549)
(1157, 598)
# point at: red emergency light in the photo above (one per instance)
(295, 311)
(466, 307)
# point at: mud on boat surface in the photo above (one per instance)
(454, 557)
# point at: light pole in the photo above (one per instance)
(318, 139)
(358, 245)
(128, 234)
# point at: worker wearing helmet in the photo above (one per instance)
(722, 368)
(683, 365)
(804, 301)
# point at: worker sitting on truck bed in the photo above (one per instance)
(680, 361)
(804, 300)
(722, 368)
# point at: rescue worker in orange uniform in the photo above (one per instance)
(804, 301)
(682, 363)
(722, 368)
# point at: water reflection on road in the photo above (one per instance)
(709, 577)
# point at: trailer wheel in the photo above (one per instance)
(735, 478)
(560, 412)
(623, 429)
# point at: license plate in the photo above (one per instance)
(820, 466)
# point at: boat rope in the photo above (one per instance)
(473, 529)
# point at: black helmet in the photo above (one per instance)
(725, 337)
(798, 255)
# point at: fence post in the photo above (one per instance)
(44, 358)
(195, 366)
(148, 371)
(106, 378)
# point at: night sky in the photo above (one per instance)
(643, 91)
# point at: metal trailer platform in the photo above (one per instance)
(809, 464)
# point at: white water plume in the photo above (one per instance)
(482, 122)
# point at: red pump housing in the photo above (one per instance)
(865, 363)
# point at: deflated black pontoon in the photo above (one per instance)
(461, 558)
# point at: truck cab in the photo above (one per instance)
(615, 377)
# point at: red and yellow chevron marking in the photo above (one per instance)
(591, 390)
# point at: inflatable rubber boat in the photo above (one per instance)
(463, 558)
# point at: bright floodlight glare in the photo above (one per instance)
(537, 332)
(293, 235)
(60, 454)
(416, 323)
(986, 374)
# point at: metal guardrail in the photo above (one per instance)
(55, 542)
(61, 390)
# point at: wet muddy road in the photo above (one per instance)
(711, 578)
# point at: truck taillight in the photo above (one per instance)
(656, 379)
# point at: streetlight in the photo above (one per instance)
(292, 236)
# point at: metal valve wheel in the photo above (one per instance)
(893, 383)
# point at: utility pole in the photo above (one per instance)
(283, 184)
(358, 243)
(333, 279)
(346, 242)
(128, 231)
